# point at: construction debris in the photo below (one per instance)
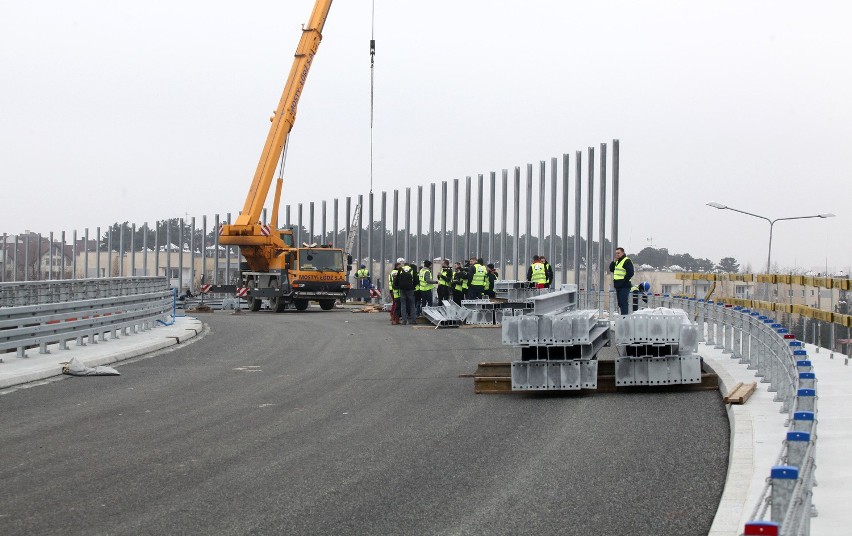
(741, 393)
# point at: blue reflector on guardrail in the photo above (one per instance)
(803, 416)
(798, 436)
(800, 352)
(784, 472)
(807, 375)
(806, 392)
(795, 343)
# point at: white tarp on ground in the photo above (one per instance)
(76, 368)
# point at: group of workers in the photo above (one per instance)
(412, 286)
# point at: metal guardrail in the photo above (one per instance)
(778, 359)
(56, 291)
(88, 320)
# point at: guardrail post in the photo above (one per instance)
(797, 447)
(727, 327)
(803, 421)
(699, 308)
(806, 399)
(783, 478)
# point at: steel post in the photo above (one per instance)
(492, 206)
(49, 256)
(98, 252)
(504, 205)
(216, 224)
(417, 249)
(541, 193)
(360, 227)
(383, 230)
(444, 221)
(564, 250)
(74, 249)
(517, 227)
(348, 224)
(407, 215)
(480, 206)
(180, 254)
(204, 248)
(335, 223)
(431, 254)
(395, 227)
(551, 250)
(602, 251)
(299, 212)
(528, 240)
(191, 283)
(323, 220)
(590, 219)
(614, 232)
(578, 190)
(454, 244)
(109, 251)
(132, 250)
(467, 202)
(311, 233)
(369, 233)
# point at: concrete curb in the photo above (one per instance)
(16, 371)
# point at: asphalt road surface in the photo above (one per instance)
(339, 423)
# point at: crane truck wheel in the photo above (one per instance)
(301, 304)
(326, 305)
(254, 303)
(277, 303)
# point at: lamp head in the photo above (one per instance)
(717, 205)
(826, 215)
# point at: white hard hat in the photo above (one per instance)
(400, 260)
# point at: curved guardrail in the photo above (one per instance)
(56, 291)
(37, 325)
(778, 359)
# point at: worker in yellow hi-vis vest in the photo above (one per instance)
(622, 270)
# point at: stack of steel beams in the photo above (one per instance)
(656, 347)
(555, 345)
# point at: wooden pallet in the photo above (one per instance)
(741, 393)
(496, 377)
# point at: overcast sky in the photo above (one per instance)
(117, 111)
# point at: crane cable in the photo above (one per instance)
(372, 84)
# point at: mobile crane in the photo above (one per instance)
(279, 270)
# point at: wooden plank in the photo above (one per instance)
(492, 385)
(741, 393)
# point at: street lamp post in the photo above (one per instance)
(771, 224)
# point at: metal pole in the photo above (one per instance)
(216, 223)
(299, 225)
(480, 183)
(132, 250)
(191, 283)
(335, 223)
(551, 250)
(121, 250)
(454, 252)
(370, 232)
(61, 257)
(602, 252)
(15, 261)
(491, 218)
(49, 256)
(419, 225)
(528, 241)
(382, 264)
(86, 253)
(565, 167)
(444, 220)
(517, 228)
(467, 217)
(287, 216)
(407, 242)
(109, 251)
(262, 217)
(503, 233)
(348, 222)
(228, 256)
(168, 252)
(578, 204)
(98, 252)
(395, 226)
(311, 232)
(590, 219)
(180, 254)
(27, 270)
(541, 192)
(204, 247)
(5, 262)
(614, 232)
(431, 254)
(323, 227)
(74, 249)
(360, 227)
